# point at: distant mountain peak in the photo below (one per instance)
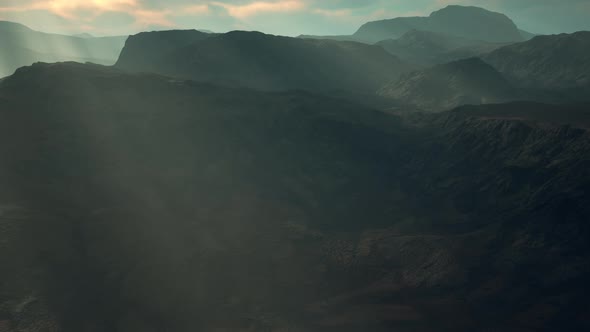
(461, 21)
(463, 9)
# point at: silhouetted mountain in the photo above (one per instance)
(135, 202)
(546, 62)
(22, 46)
(256, 60)
(428, 48)
(469, 81)
(465, 22)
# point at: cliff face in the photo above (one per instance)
(139, 203)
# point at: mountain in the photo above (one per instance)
(256, 60)
(136, 202)
(428, 48)
(22, 46)
(465, 22)
(144, 50)
(469, 81)
(546, 62)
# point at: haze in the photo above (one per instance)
(286, 17)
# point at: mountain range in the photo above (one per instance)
(425, 174)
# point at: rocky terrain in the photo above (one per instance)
(135, 202)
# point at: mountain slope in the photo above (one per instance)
(133, 202)
(256, 60)
(446, 86)
(428, 48)
(22, 46)
(465, 22)
(546, 62)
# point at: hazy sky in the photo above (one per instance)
(287, 17)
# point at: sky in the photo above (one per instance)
(282, 17)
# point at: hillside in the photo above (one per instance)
(449, 85)
(546, 62)
(429, 48)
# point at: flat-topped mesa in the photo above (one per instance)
(261, 61)
(143, 49)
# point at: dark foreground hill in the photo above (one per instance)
(256, 60)
(140, 203)
(22, 46)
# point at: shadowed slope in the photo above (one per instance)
(546, 62)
